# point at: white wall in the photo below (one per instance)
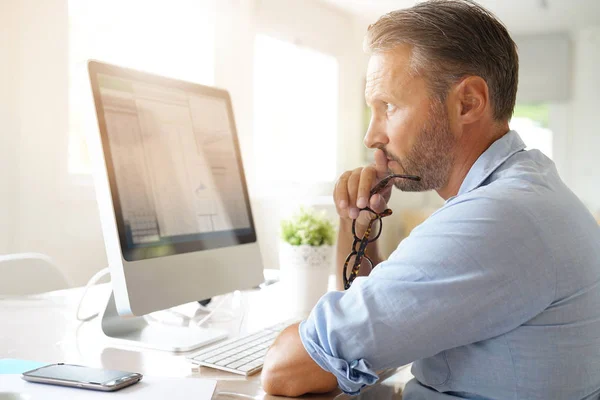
(9, 53)
(544, 58)
(51, 214)
(584, 138)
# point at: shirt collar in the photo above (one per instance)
(500, 151)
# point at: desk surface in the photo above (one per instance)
(44, 328)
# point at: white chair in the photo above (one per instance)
(30, 273)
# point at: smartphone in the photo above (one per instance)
(79, 376)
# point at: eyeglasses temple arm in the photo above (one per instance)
(385, 181)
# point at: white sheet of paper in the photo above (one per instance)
(149, 388)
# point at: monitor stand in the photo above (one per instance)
(136, 331)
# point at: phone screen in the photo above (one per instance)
(77, 373)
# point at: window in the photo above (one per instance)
(174, 38)
(531, 122)
(295, 114)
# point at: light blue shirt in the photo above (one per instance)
(495, 296)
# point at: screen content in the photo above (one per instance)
(175, 164)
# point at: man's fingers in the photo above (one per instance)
(381, 163)
(363, 219)
(353, 183)
(377, 203)
(352, 192)
(340, 194)
(367, 180)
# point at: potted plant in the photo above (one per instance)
(306, 257)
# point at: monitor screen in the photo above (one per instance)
(173, 162)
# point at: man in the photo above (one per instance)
(497, 294)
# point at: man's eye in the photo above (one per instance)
(390, 107)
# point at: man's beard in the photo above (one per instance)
(432, 155)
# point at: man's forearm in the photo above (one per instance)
(344, 247)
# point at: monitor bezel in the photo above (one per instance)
(208, 241)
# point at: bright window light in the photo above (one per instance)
(295, 113)
(174, 38)
(531, 123)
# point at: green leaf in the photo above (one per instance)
(308, 227)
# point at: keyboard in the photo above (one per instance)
(243, 355)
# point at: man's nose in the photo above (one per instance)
(375, 136)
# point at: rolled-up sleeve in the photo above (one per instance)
(352, 376)
(467, 274)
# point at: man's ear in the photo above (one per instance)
(472, 99)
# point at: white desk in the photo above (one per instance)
(44, 328)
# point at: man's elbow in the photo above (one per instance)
(289, 371)
(276, 384)
(276, 381)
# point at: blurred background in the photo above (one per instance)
(296, 73)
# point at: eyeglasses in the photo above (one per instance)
(358, 254)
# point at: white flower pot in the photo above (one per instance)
(305, 274)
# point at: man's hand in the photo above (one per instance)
(352, 191)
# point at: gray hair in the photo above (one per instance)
(452, 39)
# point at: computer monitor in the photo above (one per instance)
(173, 200)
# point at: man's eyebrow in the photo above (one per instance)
(378, 95)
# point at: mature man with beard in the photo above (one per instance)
(496, 295)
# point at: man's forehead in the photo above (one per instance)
(392, 66)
